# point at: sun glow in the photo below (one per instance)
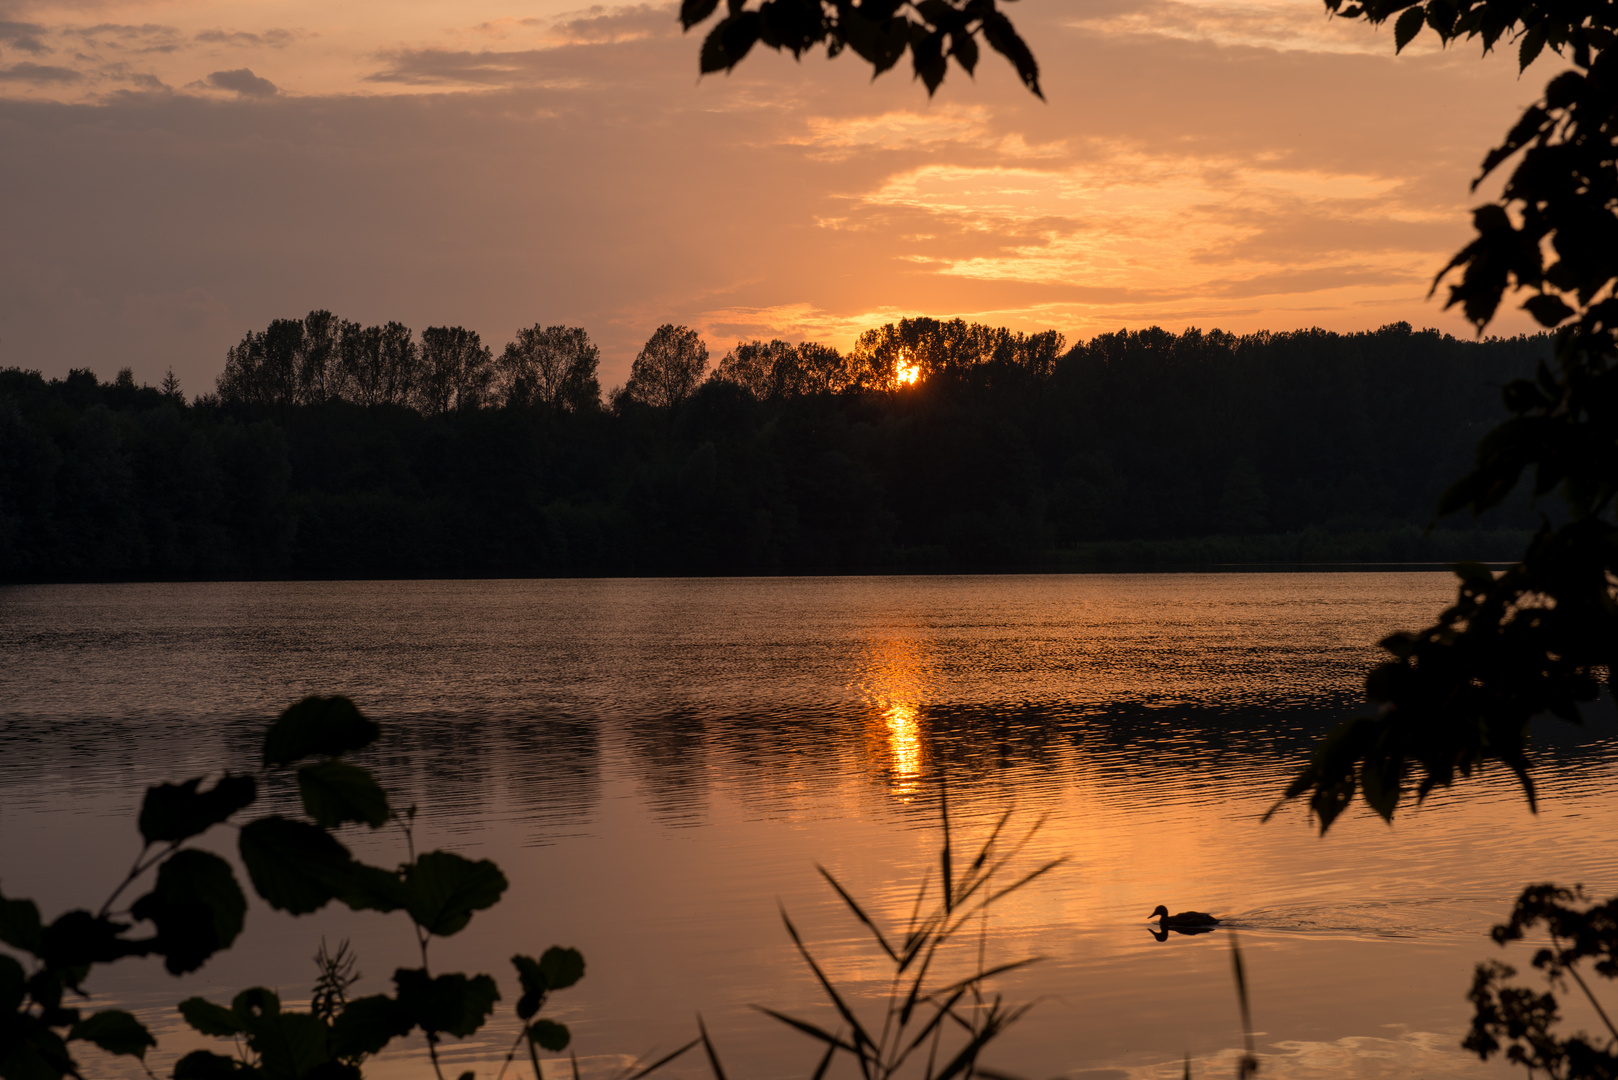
(904, 733)
(909, 373)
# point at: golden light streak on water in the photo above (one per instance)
(895, 678)
(904, 737)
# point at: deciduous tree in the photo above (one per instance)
(668, 368)
(456, 370)
(551, 365)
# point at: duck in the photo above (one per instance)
(1185, 920)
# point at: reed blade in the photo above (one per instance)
(989, 973)
(1024, 880)
(825, 1063)
(861, 1037)
(812, 1030)
(1249, 1062)
(943, 806)
(647, 1070)
(713, 1055)
(927, 1029)
(859, 912)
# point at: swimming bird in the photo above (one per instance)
(1185, 920)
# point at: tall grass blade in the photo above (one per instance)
(859, 912)
(927, 1029)
(1188, 1065)
(713, 1055)
(966, 1059)
(915, 990)
(943, 806)
(862, 1039)
(646, 1070)
(1024, 880)
(920, 940)
(988, 973)
(994, 834)
(812, 1030)
(1002, 861)
(825, 1063)
(573, 1057)
(915, 911)
(1249, 1062)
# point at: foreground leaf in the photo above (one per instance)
(79, 939)
(197, 907)
(318, 725)
(206, 1065)
(174, 812)
(211, 1019)
(290, 1044)
(561, 967)
(549, 1035)
(296, 866)
(20, 927)
(116, 1032)
(443, 890)
(335, 792)
(371, 888)
(450, 1003)
(368, 1024)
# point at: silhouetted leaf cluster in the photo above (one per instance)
(1525, 1023)
(196, 908)
(1542, 637)
(878, 31)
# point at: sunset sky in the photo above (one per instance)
(177, 172)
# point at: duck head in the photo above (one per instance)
(1160, 910)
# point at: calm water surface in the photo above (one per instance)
(657, 764)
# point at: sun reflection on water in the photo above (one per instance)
(904, 739)
(895, 682)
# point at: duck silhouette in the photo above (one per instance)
(1186, 922)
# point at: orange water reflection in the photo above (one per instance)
(656, 792)
(894, 679)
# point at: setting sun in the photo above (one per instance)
(909, 373)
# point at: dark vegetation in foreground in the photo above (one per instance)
(197, 908)
(1139, 448)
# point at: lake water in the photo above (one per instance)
(657, 764)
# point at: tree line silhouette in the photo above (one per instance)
(329, 448)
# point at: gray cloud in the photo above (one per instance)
(444, 67)
(144, 38)
(272, 38)
(242, 81)
(39, 74)
(513, 68)
(24, 36)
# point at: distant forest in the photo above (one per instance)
(334, 449)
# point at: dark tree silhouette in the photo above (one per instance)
(1132, 439)
(551, 365)
(457, 370)
(317, 367)
(668, 368)
(764, 369)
